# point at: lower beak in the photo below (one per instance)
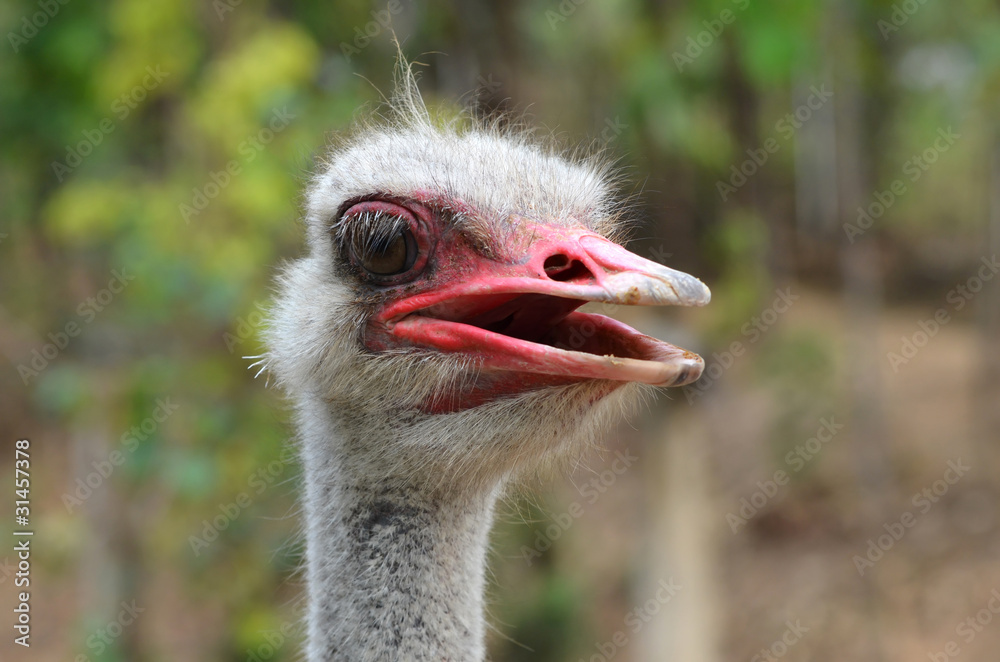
(521, 316)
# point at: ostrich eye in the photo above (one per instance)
(387, 255)
(387, 242)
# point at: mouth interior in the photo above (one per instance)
(542, 319)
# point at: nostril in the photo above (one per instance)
(559, 267)
(555, 263)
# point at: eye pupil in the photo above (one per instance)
(387, 256)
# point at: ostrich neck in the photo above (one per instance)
(395, 572)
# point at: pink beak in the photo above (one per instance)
(521, 315)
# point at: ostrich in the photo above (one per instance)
(431, 346)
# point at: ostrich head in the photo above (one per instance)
(436, 309)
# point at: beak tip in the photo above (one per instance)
(684, 370)
(691, 371)
(687, 290)
(706, 295)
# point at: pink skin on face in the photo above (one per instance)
(517, 319)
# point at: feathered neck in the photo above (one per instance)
(395, 569)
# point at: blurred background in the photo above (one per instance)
(827, 491)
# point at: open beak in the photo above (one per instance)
(521, 316)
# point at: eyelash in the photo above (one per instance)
(380, 227)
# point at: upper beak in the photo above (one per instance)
(630, 279)
(519, 314)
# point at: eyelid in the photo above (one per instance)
(376, 208)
